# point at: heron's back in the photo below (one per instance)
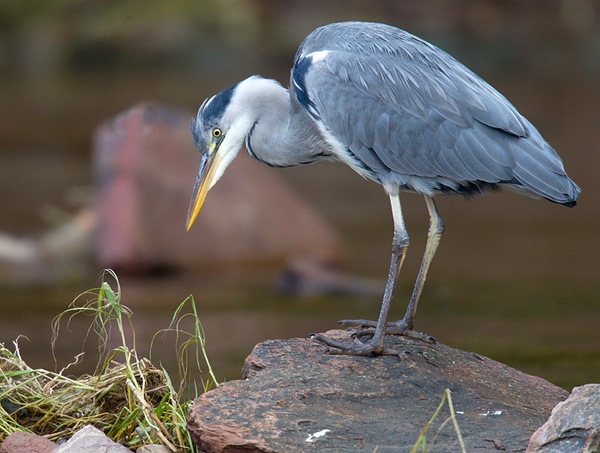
(403, 112)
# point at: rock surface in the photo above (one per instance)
(574, 425)
(21, 442)
(87, 440)
(90, 440)
(146, 164)
(153, 449)
(297, 398)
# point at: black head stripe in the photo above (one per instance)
(215, 108)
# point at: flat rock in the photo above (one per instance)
(295, 397)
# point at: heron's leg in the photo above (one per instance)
(405, 325)
(434, 235)
(399, 245)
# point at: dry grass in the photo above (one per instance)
(127, 397)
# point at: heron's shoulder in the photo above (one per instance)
(403, 72)
(375, 55)
(365, 38)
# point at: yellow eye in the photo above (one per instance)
(216, 133)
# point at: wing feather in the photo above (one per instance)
(405, 109)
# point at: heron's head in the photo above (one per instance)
(219, 130)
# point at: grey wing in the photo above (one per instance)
(424, 121)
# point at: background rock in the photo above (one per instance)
(147, 164)
(293, 390)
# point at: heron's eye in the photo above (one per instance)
(216, 133)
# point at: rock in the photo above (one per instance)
(90, 440)
(20, 442)
(574, 425)
(147, 164)
(153, 449)
(296, 398)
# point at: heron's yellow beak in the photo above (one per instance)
(204, 181)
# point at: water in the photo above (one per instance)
(515, 279)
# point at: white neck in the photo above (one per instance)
(277, 130)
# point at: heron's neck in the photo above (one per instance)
(282, 135)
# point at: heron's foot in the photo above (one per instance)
(356, 348)
(401, 327)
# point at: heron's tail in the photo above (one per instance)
(572, 195)
(540, 170)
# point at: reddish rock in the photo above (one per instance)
(146, 164)
(574, 425)
(297, 398)
(21, 442)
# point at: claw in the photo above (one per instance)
(357, 348)
(367, 328)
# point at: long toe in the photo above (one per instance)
(400, 330)
(355, 348)
(366, 328)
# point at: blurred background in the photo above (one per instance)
(515, 279)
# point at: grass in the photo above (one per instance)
(131, 400)
(421, 442)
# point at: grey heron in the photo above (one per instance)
(398, 111)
